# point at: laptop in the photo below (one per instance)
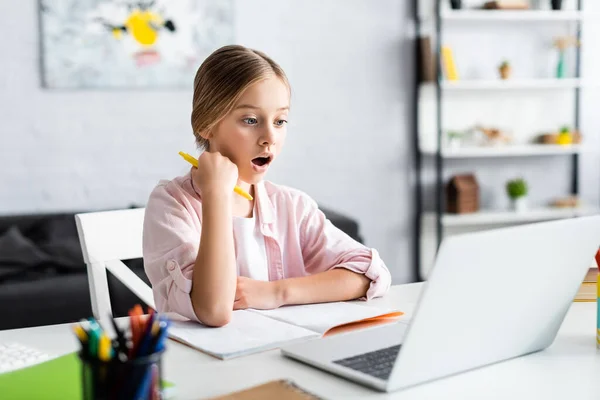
(491, 296)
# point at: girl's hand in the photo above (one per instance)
(260, 295)
(215, 174)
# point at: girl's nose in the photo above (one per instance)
(268, 137)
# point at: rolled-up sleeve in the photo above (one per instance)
(325, 247)
(171, 238)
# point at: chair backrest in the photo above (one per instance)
(107, 238)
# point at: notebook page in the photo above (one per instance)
(247, 333)
(324, 316)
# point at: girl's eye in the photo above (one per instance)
(250, 121)
(280, 122)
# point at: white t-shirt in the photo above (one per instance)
(250, 250)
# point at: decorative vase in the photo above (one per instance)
(556, 4)
(456, 4)
(504, 72)
(454, 143)
(519, 204)
(560, 66)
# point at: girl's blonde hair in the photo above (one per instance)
(221, 80)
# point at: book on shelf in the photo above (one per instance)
(251, 331)
(449, 66)
(505, 5)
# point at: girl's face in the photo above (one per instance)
(253, 133)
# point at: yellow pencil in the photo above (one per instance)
(194, 162)
(104, 348)
(80, 332)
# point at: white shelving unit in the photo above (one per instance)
(511, 15)
(437, 223)
(524, 150)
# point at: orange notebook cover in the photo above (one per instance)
(274, 390)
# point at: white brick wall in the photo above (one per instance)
(76, 150)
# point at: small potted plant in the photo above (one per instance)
(454, 139)
(504, 69)
(517, 191)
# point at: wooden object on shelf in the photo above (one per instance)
(504, 72)
(566, 202)
(552, 138)
(505, 5)
(462, 194)
(426, 62)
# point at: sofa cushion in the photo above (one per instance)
(18, 253)
(57, 236)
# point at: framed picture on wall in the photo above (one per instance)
(111, 44)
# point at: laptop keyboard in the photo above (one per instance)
(378, 363)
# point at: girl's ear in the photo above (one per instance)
(206, 134)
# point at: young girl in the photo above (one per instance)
(209, 251)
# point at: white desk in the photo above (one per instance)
(569, 369)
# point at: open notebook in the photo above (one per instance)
(252, 331)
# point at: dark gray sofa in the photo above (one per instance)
(43, 278)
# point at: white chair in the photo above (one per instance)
(107, 238)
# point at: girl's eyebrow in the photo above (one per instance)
(258, 108)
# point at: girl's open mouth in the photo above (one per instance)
(261, 163)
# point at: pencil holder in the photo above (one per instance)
(137, 378)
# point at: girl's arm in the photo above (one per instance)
(214, 276)
(334, 285)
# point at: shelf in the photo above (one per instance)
(463, 101)
(511, 15)
(499, 84)
(525, 150)
(491, 217)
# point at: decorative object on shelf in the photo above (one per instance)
(505, 5)
(566, 202)
(426, 62)
(556, 4)
(504, 70)
(565, 136)
(517, 191)
(462, 194)
(562, 43)
(456, 4)
(448, 61)
(493, 136)
(455, 139)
